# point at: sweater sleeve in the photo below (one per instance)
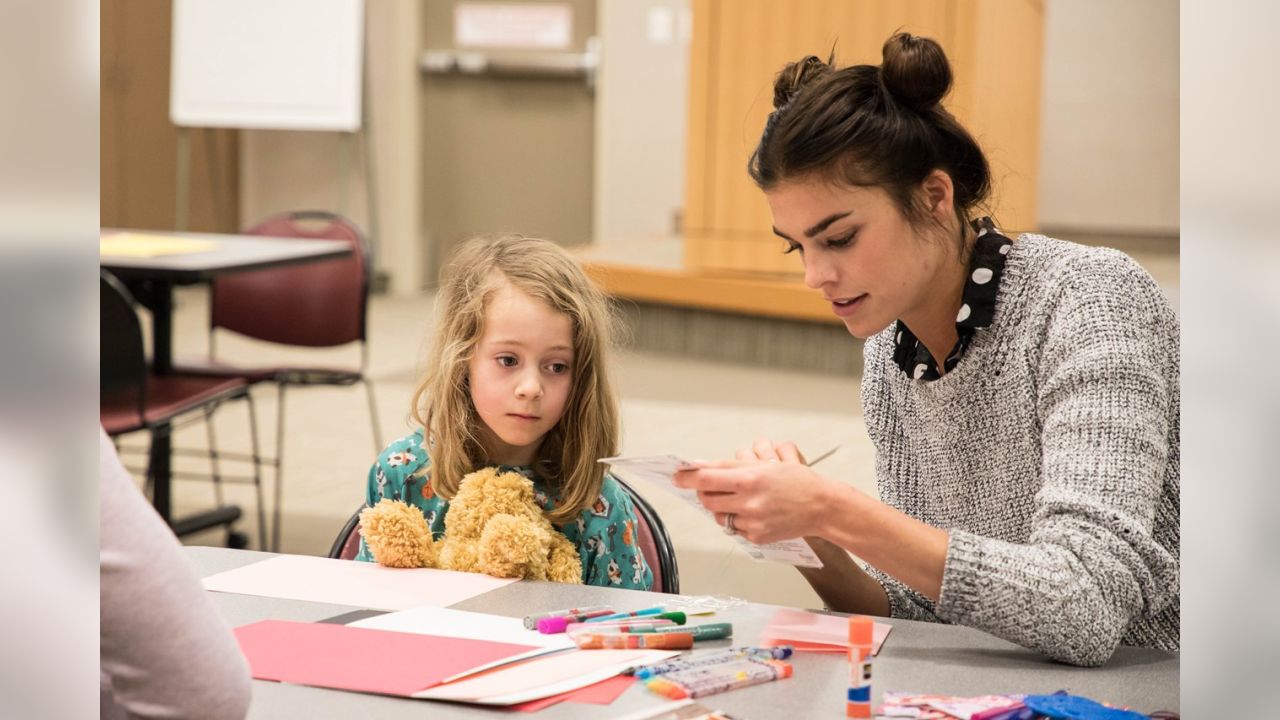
(1104, 401)
(903, 601)
(165, 650)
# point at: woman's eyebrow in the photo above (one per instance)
(822, 225)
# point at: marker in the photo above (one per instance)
(631, 641)
(553, 625)
(625, 615)
(676, 617)
(633, 625)
(709, 631)
(718, 657)
(531, 621)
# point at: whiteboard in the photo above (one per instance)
(271, 64)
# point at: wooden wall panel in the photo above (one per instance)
(738, 47)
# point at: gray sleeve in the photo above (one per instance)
(903, 601)
(165, 652)
(1091, 564)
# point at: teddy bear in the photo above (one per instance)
(494, 526)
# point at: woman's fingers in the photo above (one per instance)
(788, 452)
(764, 449)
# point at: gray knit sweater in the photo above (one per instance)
(1050, 455)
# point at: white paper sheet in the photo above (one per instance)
(474, 626)
(543, 676)
(661, 470)
(349, 582)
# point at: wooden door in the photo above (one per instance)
(139, 145)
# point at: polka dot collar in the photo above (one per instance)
(978, 306)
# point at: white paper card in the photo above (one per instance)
(446, 622)
(661, 470)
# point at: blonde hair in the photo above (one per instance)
(588, 429)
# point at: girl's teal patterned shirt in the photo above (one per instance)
(605, 533)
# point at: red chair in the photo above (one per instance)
(652, 540)
(134, 398)
(319, 305)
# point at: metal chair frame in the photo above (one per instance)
(133, 374)
(304, 376)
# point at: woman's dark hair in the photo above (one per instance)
(869, 125)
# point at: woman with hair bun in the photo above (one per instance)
(1022, 394)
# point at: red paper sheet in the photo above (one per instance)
(601, 693)
(349, 658)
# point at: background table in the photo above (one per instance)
(921, 657)
(152, 279)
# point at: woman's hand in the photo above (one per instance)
(769, 490)
(774, 496)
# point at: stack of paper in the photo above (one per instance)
(434, 653)
(815, 632)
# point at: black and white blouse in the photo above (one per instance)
(986, 265)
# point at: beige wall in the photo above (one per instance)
(641, 102)
(1109, 153)
(1109, 149)
(282, 170)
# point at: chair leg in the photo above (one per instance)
(256, 454)
(148, 478)
(213, 457)
(373, 416)
(275, 525)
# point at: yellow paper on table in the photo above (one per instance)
(140, 245)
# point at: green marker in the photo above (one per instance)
(709, 631)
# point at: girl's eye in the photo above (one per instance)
(558, 368)
(507, 360)
(792, 247)
(842, 241)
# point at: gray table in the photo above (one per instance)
(922, 657)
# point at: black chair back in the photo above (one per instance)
(347, 544)
(122, 356)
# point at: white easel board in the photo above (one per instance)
(267, 64)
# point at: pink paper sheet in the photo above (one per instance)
(349, 658)
(601, 693)
(347, 582)
(815, 632)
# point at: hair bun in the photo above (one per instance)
(915, 71)
(796, 76)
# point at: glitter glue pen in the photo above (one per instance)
(633, 641)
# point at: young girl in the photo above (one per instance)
(518, 380)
